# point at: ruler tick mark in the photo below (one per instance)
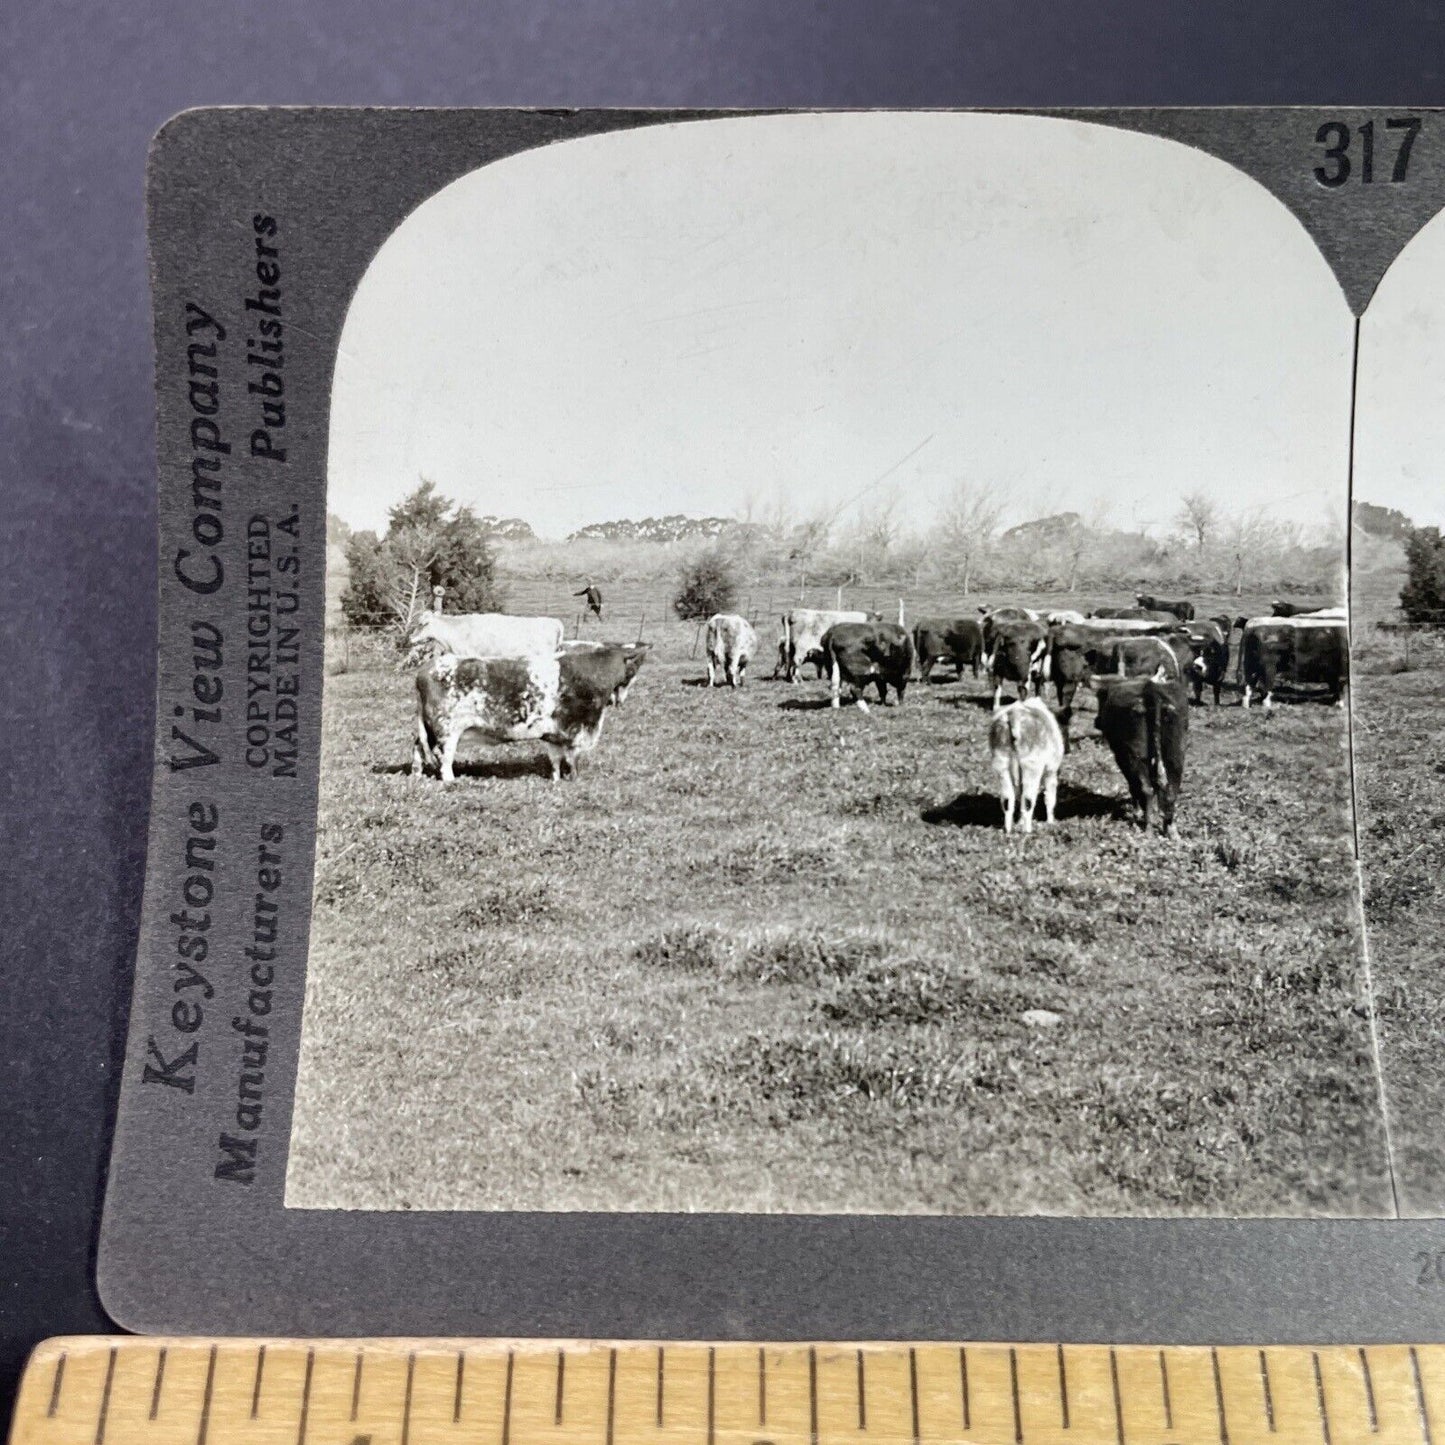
(913, 1390)
(1118, 1399)
(762, 1386)
(711, 1394)
(59, 1379)
(1420, 1402)
(862, 1395)
(813, 1395)
(1063, 1390)
(306, 1401)
(1265, 1387)
(256, 1387)
(963, 1386)
(1013, 1379)
(1219, 1398)
(406, 1399)
(356, 1387)
(507, 1405)
(611, 1389)
(156, 1388)
(1369, 1391)
(457, 1394)
(206, 1399)
(561, 1386)
(1320, 1397)
(1164, 1391)
(105, 1398)
(661, 1354)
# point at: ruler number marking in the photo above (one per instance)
(55, 1385)
(1337, 165)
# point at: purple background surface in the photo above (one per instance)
(82, 89)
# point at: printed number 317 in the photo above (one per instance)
(1338, 165)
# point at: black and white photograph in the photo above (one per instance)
(837, 689)
(1398, 619)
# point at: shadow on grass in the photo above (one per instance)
(521, 767)
(983, 810)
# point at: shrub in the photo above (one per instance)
(707, 583)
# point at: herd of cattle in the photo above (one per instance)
(515, 678)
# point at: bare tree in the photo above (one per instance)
(967, 527)
(1247, 536)
(875, 534)
(1198, 517)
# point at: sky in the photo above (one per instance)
(1400, 425)
(826, 310)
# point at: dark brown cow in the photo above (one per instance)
(1017, 656)
(1135, 614)
(1182, 609)
(1295, 651)
(862, 652)
(958, 640)
(1296, 609)
(1144, 656)
(994, 617)
(1210, 640)
(1145, 721)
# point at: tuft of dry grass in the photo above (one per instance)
(765, 956)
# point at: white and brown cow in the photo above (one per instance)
(802, 638)
(731, 643)
(1296, 651)
(558, 699)
(1026, 748)
(481, 634)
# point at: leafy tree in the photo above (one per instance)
(430, 542)
(1422, 599)
(706, 584)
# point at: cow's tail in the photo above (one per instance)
(910, 653)
(1015, 724)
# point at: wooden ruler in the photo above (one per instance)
(125, 1391)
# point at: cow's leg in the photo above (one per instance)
(1244, 701)
(554, 759)
(900, 687)
(837, 683)
(1269, 700)
(1218, 683)
(1051, 793)
(1006, 796)
(1031, 776)
(449, 753)
(882, 687)
(711, 672)
(997, 694)
(925, 666)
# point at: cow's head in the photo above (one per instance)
(634, 654)
(1142, 599)
(423, 640)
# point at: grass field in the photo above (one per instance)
(1400, 774)
(762, 956)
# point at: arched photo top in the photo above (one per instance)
(804, 308)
